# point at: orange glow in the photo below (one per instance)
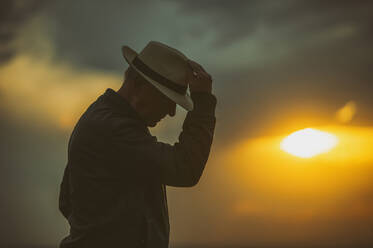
(308, 142)
(260, 166)
(347, 112)
(56, 94)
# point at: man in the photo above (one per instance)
(113, 190)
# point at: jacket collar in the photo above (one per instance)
(121, 104)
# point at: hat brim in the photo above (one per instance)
(184, 101)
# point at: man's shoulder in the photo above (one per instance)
(102, 112)
(103, 118)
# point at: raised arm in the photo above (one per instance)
(180, 164)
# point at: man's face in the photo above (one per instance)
(157, 105)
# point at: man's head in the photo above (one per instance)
(148, 101)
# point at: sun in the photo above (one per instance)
(308, 142)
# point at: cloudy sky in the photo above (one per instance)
(277, 67)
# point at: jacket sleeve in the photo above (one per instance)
(179, 165)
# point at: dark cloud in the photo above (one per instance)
(14, 14)
(90, 33)
(238, 19)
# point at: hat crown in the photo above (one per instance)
(165, 68)
(166, 61)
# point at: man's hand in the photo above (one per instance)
(199, 79)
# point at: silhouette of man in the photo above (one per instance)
(113, 189)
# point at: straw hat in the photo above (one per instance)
(164, 67)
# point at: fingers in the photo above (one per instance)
(198, 69)
(196, 66)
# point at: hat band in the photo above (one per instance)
(158, 77)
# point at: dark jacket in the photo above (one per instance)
(113, 189)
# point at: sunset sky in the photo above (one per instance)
(277, 67)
